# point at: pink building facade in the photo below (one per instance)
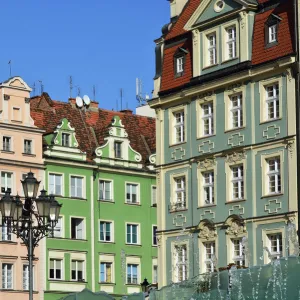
(20, 152)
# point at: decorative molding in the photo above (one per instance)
(235, 157)
(179, 220)
(243, 19)
(27, 100)
(6, 97)
(290, 146)
(236, 210)
(152, 159)
(236, 140)
(207, 214)
(195, 36)
(207, 163)
(206, 147)
(234, 87)
(235, 225)
(288, 75)
(273, 206)
(178, 153)
(271, 132)
(207, 96)
(207, 230)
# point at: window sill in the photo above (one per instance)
(107, 283)
(8, 242)
(137, 245)
(7, 151)
(177, 210)
(208, 205)
(16, 121)
(177, 144)
(272, 195)
(229, 60)
(234, 129)
(106, 201)
(107, 242)
(70, 198)
(154, 205)
(205, 136)
(133, 284)
(210, 66)
(80, 240)
(235, 201)
(133, 204)
(269, 121)
(271, 44)
(154, 246)
(16, 291)
(29, 154)
(67, 239)
(70, 281)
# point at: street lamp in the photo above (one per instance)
(30, 222)
(144, 285)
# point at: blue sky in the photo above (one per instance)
(99, 42)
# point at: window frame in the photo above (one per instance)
(111, 268)
(272, 22)
(224, 50)
(266, 242)
(210, 186)
(27, 279)
(61, 270)
(5, 148)
(240, 182)
(62, 184)
(111, 222)
(12, 181)
(108, 258)
(6, 287)
(137, 274)
(138, 234)
(154, 203)
(154, 236)
(241, 256)
(61, 217)
(83, 192)
(111, 189)
(172, 136)
(25, 151)
(120, 155)
(206, 260)
(76, 270)
(185, 264)
(83, 228)
(211, 49)
(63, 142)
(180, 54)
(209, 117)
(138, 197)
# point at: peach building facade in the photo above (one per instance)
(20, 152)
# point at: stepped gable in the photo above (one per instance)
(100, 120)
(261, 54)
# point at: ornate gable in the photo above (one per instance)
(63, 142)
(17, 83)
(117, 149)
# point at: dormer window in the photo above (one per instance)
(65, 139)
(179, 62)
(118, 149)
(271, 30)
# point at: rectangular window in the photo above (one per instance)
(55, 269)
(77, 228)
(153, 195)
(57, 230)
(231, 42)
(76, 187)
(132, 193)
(55, 184)
(274, 177)
(6, 182)
(208, 187)
(212, 49)
(179, 127)
(77, 270)
(106, 272)
(154, 237)
(208, 118)
(154, 274)
(236, 111)
(105, 231)
(237, 182)
(28, 146)
(7, 276)
(275, 245)
(132, 274)
(26, 277)
(65, 139)
(6, 143)
(272, 33)
(272, 101)
(118, 149)
(209, 248)
(179, 65)
(181, 263)
(105, 190)
(179, 193)
(237, 251)
(132, 234)
(6, 234)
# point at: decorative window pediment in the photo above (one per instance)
(117, 149)
(235, 225)
(207, 230)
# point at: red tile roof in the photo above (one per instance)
(47, 114)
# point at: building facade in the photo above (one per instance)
(226, 135)
(100, 166)
(21, 151)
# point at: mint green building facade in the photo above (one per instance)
(105, 239)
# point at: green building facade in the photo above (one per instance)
(101, 172)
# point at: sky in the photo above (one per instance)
(101, 43)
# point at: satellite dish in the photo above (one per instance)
(79, 101)
(86, 100)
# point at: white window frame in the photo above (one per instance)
(272, 34)
(273, 101)
(6, 181)
(236, 109)
(4, 272)
(207, 117)
(179, 64)
(26, 147)
(61, 183)
(107, 259)
(76, 269)
(279, 242)
(76, 230)
(129, 201)
(231, 41)
(111, 231)
(138, 238)
(180, 265)
(118, 151)
(111, 189)
(4, 234)
(172, 123)
(266, 233)
(212, 52)
(105, 273)
(208, 186)
(274, 175)
(137, 274)
(54, 264)
(61, 231)
(6, 148)
(153, 195)
(25, 277)
(206, 259)
(179, 130)
(240, 258)
(179, 192)
(83, 184)
(239, 180)
(154, 243)
(63, 141)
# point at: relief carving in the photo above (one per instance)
(235, 157)
(208, 163)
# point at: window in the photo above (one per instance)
(76, 187)
(132, 274)
(154, 237)
(26, 277)
(179, 64)
(236, 111)
(209, 248)
(6, 143)
(7, 276)
(274, 177)
(208, 187)
(6, 234)
(275, 245)
(77, 228)
(153, 195)
(231, 42)
(55, 269)
(180, 263)
(179, 127)
(106, 272)
(132, 193)
(77, 270)
(55, 184)
(106, 231)
(65, 139)
(16, 114)
(57, 230)
(105, 190)
(118, 149)
(6, 182)
(237, 182)
(208, 118)
(212, 50)
(237, 251)
(272, 30)
(154, 275)
(132, 234)
(28, 146)
(180, 194)
(272, 101)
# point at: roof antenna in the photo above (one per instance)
(94, 92)
(78, 90)
(33, 89)
(71, 86)
(121, 96)
(42, 86)
(9, 67)
(139, 93)
(117, 105)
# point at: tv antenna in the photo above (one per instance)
(33, 89)
(142, 99)
(94, 92)
(71, 86)
(41, 86)
(121, 97)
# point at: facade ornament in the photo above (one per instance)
(243, 19)
(27, 100)
(195, 36)
(158, 240)
(6, 97)
(207, 163)
(207, 233)
(206, 96)
(290, 146)
(235, 157)
(235, 225)
(234, 87)
(288, 74)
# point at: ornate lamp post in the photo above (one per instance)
(30, 222)
(145, 285)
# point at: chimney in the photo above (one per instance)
(126, 111)
(176, 7)
(72, 101)
(94, 106)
